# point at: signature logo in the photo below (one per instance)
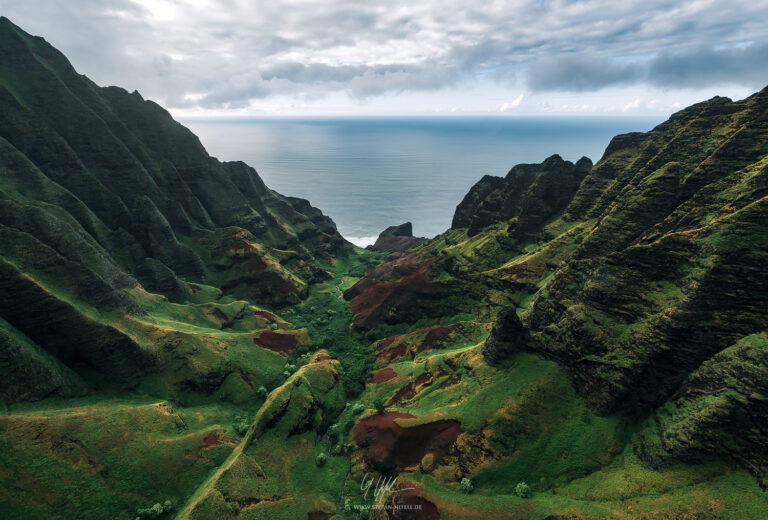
(384, 486)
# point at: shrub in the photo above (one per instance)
(241, 424)
(156, 511)
(379, 404)
(522, 490)
(357, 409)
(333, 434)
(321, 460)
(466, 485)
(262, 392)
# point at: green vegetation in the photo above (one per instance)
(522, 490)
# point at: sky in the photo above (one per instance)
(238, 58)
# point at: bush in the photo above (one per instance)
(241, 424)
(466, 485)
(156, 511)
(321, 460)
(380, 405)
(333, 434)
(357, 409)
(262, 392)
(523, 490)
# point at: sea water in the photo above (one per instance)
(371, 173)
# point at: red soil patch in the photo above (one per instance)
(382, 376)
(276, 342)
(266, 315)
(211, 440)
(436, 335)
(394, 352)
(403, 395)
(423, 510)
(388, 446)
(423, 379)
(408, 392)
(395, 285)
(384, 343)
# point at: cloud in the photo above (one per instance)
(228, 53)
(706, 65)
(691, 68)
(579, 73)
(514, 104)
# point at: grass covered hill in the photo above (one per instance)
(178, 341)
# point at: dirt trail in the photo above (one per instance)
(202, 491)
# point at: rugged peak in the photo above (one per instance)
(553, 161)
(403, 230)
(397, 238)
(584, 164)
(532, 192)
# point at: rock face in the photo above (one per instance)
(397, 238)
(102, 191)
(508, 336)
(720, 410)
(530, 192)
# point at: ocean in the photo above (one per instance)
(371, 173)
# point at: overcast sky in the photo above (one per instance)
(526, 57)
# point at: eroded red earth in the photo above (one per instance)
(382, 375)
(276, 341)
(388, 447)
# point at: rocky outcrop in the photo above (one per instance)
(397, 238)
(508, 336)
(531, 192)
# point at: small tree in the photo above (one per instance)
(466, 485)
(380, 405)
(523, 490)
(262, 392)
(321, 460)
(333, 434)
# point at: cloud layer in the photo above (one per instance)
(224, 54)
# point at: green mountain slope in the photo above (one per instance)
(103, 194)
